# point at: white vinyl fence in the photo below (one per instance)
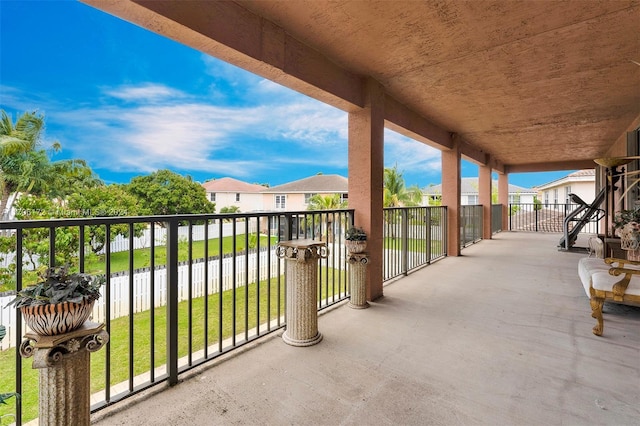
(142, 288)
(121, 243)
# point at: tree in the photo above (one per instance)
(19, 160)
(26, 168)
(105, 201)
(396, 194)
(164, 193)
(324, 202)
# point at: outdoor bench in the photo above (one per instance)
(609, 280)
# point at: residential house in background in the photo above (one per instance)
(582, 183)
(294, 196)
(229, 192)
(469, 192)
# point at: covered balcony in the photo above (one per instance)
(501, 334)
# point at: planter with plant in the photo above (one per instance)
(60, 302)
(355, 240)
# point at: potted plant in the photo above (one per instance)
(355, 240)
(626, 225)
(61, 302)
(5, 396)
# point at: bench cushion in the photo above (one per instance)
(588, 266)
(594, 270)
(604, 281)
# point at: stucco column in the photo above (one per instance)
(366, 171)
(451, 192)
(503, 198)
(484, 191)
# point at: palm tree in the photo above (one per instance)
(26, 168)
(325, 202)
(396, 194)
(21, 137)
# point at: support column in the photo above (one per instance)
(484, 190)
(366, 175)
(451, 193)
(301, 258)
(503, 198)
(65, 379)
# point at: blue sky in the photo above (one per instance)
(129, 102)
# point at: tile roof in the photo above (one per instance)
(469, 185)
(227, 184)
(314, 184)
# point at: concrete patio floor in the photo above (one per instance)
(501, 335)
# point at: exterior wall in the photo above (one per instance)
(249, 202)
(584, 189)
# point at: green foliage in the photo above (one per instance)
(166, 193)
(537, 204)
(57, 285)
(355, 234)
(396, 194)
(106, 201)
(624, 217)
(230, 209)
(326, 202)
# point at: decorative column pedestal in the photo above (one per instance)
(65, 380)
(301, 258)
(358, 280)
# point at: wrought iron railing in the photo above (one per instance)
(496, 218)
(202, 285)
(540, 217)
(470, 225)
(413, 237)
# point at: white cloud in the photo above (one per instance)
(411, 155)
(145, 92)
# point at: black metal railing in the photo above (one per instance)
(413, 237)
(496, 218)
(470, 225)
(184, 290)
(543, 218)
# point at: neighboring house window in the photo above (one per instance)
(237, 196)
(344, 198)
(555, 196)
(281, 202)
(472, 200)
(307, 197)
(567, 191)
(212, 196)
(546, 198)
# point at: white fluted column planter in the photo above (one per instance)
(64, 380)
(301, 258)
(358, 280)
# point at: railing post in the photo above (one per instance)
(405, 241)
(536, 218)
(172, 301)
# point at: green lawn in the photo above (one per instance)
(269, 299)
(142, 257)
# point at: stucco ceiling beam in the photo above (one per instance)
(550, 166)
(405, 121)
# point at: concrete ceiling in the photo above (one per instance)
(529, 86)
